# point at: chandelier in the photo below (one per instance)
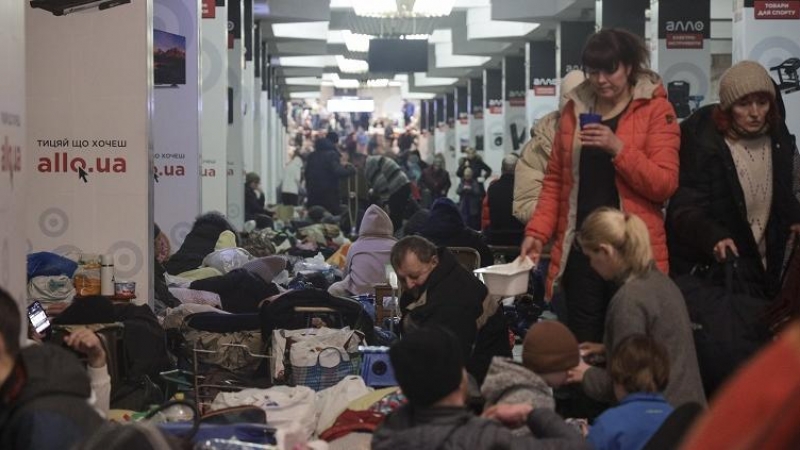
(402, 8)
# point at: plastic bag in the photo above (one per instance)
(50, 264)
(87, 277)
(315, 264)
(227, 259)
(51, 288)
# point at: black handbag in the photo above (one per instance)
(727, 320)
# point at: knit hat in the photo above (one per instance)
(744, 78)
(267, 267)
(550, 347)
(428, 364)
(251, 177)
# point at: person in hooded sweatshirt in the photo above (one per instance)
(445, 227)
(430, 370)
(368, 256)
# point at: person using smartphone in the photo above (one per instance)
(44, 390)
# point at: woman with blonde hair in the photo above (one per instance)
(647, 302)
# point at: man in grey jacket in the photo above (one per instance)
(429, 367)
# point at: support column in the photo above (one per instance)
(235, 145)
(214, 117)
(476, 131)
(462, 124)
(176, 119)
(494, 120)
(543, 81)
(516, 124)
(89, 103)
(681, 54)
(769, 32)
(14, 165)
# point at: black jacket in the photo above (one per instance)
(504, 228)
(445, 227)
(709, 205)
(253, 203)
(198, 243)
(52, 410)
(454, 299)
(323, 171)
(239, 290)
(479, 168)
(450, 428)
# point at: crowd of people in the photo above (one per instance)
(623, 204)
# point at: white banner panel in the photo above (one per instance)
(494, 137)
(13, 166)
(248, 117)
(176, 117)
(516, 127)
(769, 32)
(214, 117)
(235, 144)
(89, 93)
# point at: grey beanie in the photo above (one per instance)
(744, 78)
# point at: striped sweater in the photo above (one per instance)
(384, 176)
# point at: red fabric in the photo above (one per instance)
(350, 421)
(646, 175)
(759, 408)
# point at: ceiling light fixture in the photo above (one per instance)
(401, 8)
(351, 65)
(380, 82)
(356, 42)
(345, 83)
(433, 8)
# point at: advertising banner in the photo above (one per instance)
(214, 116)
(236, 111)
(625, 14)
(543, 81)
(89, 92)
(769, 32)
(494, 120)
(516, 122)
(681, 52)
(13, 164)
(176, 117)
(476, 130)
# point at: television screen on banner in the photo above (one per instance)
(398, 55)
(345, 105)
(169, 59)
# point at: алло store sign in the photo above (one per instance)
(684, 24)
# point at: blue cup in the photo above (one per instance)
(587, 118)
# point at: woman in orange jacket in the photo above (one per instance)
(626, 159)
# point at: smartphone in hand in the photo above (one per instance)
(38, 318)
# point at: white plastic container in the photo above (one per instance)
(506, 280)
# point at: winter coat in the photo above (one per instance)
(239, 290)
(509, 382)
(479, 168)
(445, 227)
(471, 195)
(709, 205)
(51, 410)
(529, 173)
(646, 170)
(437, 181)
(450, 428)
(631, 424)
(651, 305)
(368, 256)
(253, 203)
(502, 227)
(323, 171)
(200, 241)
(384, 176)
(455, 299)
(292, 176)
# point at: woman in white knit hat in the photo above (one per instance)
(735, 183)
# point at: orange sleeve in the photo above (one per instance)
(652, 171)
